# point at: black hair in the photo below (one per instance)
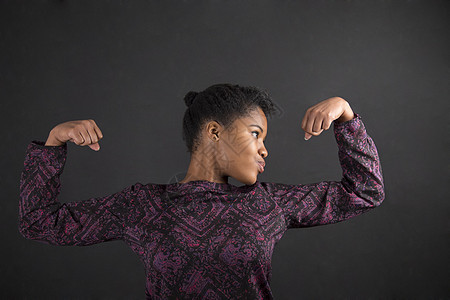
(223, 103)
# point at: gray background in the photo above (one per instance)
(128, 64)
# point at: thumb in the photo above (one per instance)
(307, 136)
(95, 146)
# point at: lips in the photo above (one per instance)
(261, 165)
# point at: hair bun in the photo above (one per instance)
(190, 97)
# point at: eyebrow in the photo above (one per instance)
(262, 131)
(259, 127)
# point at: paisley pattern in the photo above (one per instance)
(201, 239)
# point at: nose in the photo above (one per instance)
(263, 152)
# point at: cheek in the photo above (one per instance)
(250, 153)
(242, 154)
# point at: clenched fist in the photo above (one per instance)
(319, 117)
(80, 132)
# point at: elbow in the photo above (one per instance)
(30, 232)
(381, 198)
(24, 230)
(376, 193)
(381, 193)
(372, 198)
(378, 197)
(27, 230)
(378, 201)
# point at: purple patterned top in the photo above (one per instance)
(201, 239)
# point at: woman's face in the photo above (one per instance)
(243, 147)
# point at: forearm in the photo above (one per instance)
(39, 185)
(39, 181)
(360, 162)
(43, 217)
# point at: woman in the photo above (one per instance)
(203, 238)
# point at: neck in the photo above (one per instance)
(202, 168)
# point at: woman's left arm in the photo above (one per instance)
(362, 185)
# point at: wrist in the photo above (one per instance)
(347, 115)
(346, 118)
(53, 141)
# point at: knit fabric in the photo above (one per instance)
(200, 239)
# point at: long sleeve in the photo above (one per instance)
(327, 202)
(43, 218)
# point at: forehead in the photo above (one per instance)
(256, 117)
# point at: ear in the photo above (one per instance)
(213, 130)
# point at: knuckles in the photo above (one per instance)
(77, 129)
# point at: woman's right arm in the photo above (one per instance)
(360, 189)
(43, 218)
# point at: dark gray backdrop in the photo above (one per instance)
(128, 64)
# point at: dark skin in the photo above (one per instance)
(232, 151)
(235, 151)
(223, 152)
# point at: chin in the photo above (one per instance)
(249, 181)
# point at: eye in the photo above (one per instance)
(256, 133)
